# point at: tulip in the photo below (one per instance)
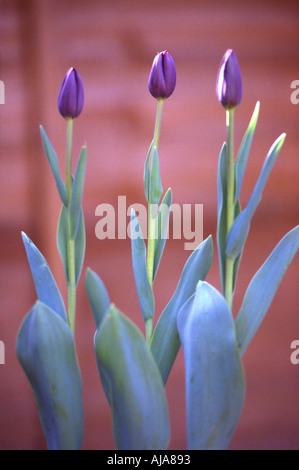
(162, 78)
(229, 81)
(71, 95)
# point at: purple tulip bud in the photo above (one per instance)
(229, 81)
(71, 95)
(162, 78)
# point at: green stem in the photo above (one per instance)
(229, 265)
(71, 241)
(152, 219)
(151, 215)
(71, 283)
(68, 175)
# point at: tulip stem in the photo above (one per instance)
(229, 266)
(69, 140)
(71, 275)
(152, 216)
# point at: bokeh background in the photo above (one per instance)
(112, 44)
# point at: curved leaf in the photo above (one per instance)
(166, 342)
(263, 287)
(44, 282)
(244, 150)
(53, 161)
(132, 383)
(97, 295)
(214, 374)
(239, 230)
(46, 351)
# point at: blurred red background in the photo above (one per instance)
(112, 44)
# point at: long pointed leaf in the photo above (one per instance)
(239, 230)
(77, 192)
(155, 188)
(133, 385)
(166, 342)
(244, 150)
(222, 210)
(263, 287)
(53, 161)
(214, 373)
(44, 282)
(144, 290)
(146, 175)
(46, 351)
(163, 223)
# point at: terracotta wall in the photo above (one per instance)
(112, 44)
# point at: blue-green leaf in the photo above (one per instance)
(162, 229)
(62, 242)
(144, 290)
(46, 351)
(263, 287)
(146, 175)
(155, 188)
(53, 161)
(239, 230)
(97, 295)
(44, 282)
(74, 212)
(166, 342)
(222, 210)
(244, 150)
(133, 385)
(214, 374)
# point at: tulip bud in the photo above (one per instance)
(71, 95)
(229, 81)
(162, 78)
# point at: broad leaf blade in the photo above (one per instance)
(44, 282)
(166, 342)
(263, 287)
(46, 351)
(144, 290)
(97, 295)
(132, 384)
(53, 161)
(214, 373)
(239, 230)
